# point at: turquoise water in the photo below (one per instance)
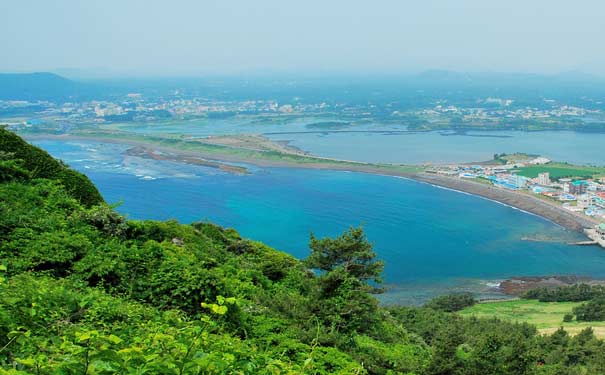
(432, 239)
(390, 143)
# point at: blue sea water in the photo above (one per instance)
(433, 240)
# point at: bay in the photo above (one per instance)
(433, 240)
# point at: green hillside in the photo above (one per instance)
(85, 291)
(17, 156)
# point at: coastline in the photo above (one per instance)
(522, 201)
(518, 200)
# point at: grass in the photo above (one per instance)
(562, 170)
(546, 316)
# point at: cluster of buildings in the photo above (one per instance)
(585, 196)
(176, 104)
(497, 109)
(137, 107)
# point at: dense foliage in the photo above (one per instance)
(570, 293)
(490, 346)
(593, 310)
(40, 164)
(451, 302)
(85, 291)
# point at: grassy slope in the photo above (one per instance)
(546, 316)
(41, 165)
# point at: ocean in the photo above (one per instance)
(433, 240)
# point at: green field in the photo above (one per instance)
(546, 316)
(562, 170)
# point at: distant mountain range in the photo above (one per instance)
(38, 86)
(432, 83)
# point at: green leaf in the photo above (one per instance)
(31, 362)
(114, 339)
(220, 310)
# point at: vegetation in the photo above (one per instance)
(487, 345)
(39, 164)
(85, 291)
(571, 293)
(452, 302)
(593, 295)
(593, 310)
(547, 317)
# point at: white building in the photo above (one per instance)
(544, 179)
(539, 160)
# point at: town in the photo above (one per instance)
(530, 175)
(490, 113)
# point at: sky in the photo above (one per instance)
(197, 37)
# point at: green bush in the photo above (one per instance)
(451, 302)
(567, 318)
(571, 293)
(591, 311)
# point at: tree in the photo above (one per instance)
(451, 302)
(351, 252)
(349, 267)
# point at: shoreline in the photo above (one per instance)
(518, 200)
(514, 199)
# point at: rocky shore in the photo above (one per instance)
(517, 286)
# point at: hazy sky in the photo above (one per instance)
(185, 37)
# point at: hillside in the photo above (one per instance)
(37, 86)
(83, 290)
(37, 163)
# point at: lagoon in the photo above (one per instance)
(392, 143)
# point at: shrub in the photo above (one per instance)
(39, 164)
(568, 318)
(451, 302)
(571, 293)
(591, 311)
